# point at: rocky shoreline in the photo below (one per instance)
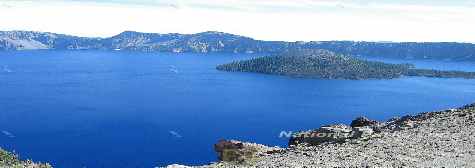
(10, 160)
(433, 139)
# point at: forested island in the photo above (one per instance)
(325, 64)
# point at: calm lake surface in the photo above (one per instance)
(79, 109)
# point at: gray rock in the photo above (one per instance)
(362, 132)
(229, 150)
(325, 134)
(407, 124)
(362, 122)
(242, 152)
(435, 139)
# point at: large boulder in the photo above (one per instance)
(230, 150)
(360, 128)
(241, 152)
(405, 122)
(362, 132)
(331, 134)
(363, 122)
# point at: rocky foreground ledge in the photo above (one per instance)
(10, 160)
(433, 139)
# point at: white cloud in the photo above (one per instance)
(289, 20)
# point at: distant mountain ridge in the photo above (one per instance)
(218, 42)
(205, 42)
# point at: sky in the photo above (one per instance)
(280, 20)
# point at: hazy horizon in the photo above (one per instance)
(272, 20)
(240, 35)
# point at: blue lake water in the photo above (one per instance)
(79, 109)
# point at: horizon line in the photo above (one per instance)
(216, 31)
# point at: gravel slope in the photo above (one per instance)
(435, 139)
(10, 160)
